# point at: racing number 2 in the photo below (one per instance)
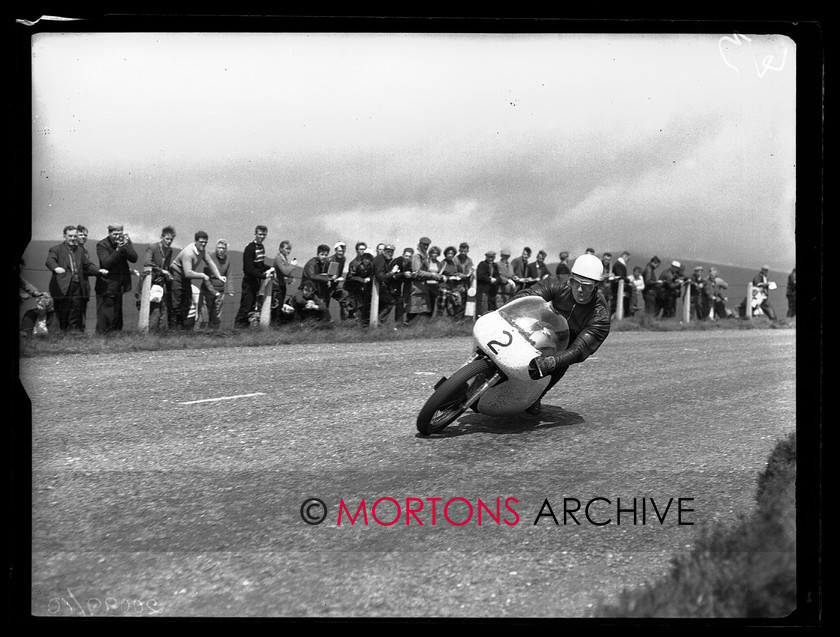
(491, 344)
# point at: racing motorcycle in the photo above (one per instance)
(499, 378)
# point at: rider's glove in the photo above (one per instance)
(545, 364)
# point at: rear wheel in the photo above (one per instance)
(450, 398)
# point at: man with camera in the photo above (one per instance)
(114, 252)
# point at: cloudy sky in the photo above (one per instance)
(678, 145)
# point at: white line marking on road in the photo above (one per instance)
(211, 400)
(427, 373)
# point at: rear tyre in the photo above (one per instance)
(450, 398)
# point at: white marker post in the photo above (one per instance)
(374, 303)
(266, 290)
(619, 300)
(687, 304)
(748, 309)
(469, 308)
(145, 294)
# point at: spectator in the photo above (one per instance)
(380, 248)
(619, 272)
(449, 291)
(563, 268)
(356, 284)
(672, 283)
(69, 287)
(434, 284)
(590, 251)
(159, 258)
(791, 294)
(519, 265)
(114, 252)
(337, 290)
(255, 270)
(637, 289)
(39, 320)
(359, 286)
(538, 270)
(308, 305)
(214, 290)
(717, 299)
(284, 269)
(83, 237)
(586, 311)
(700, 294)
(465, 269)
(316, 270)
(761, 282)
(421, 301)
(607, 279)
(352, 289)
(507, 287)
(26, 289)
(652, 288)
(403, 265)
(487, 284)
(187, 270)
(389, 279)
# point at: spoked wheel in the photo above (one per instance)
(450, 398)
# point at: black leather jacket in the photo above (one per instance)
(589, 324)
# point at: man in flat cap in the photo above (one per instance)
(114, 252)
(487, 280)
(672, 282)
(508, 288)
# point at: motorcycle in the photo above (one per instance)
(500, 377)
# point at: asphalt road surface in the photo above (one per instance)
(171, 483)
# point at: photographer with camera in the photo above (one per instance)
(673, 280)
(114, 252)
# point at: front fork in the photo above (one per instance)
(487, 384)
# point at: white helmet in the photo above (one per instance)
(589, 266)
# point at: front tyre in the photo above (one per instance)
(450, 398)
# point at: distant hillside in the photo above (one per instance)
(36, 272)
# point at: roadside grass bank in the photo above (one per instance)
(323, 333)
(747, 570)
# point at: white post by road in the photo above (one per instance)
(265, 311)
(687, 304)
(374, 302)
(748, 310)
(619, 300)
(469, 308)
(145, 294)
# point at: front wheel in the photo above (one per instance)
(450, 398)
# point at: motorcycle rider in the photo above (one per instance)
(577, 299)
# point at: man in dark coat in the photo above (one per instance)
(487, 283)
(69, 287)
(114, 252)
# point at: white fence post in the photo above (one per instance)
(265, 311)
(748, 310)
(469, 308)
(619, 300)
(145, 294)
(374, 302)
(687, 304)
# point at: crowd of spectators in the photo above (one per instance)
(189, 288)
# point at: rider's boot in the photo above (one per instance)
(536, 408)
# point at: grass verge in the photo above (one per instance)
(322, 333)
(744, 571)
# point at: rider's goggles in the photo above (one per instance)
(586, 286)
